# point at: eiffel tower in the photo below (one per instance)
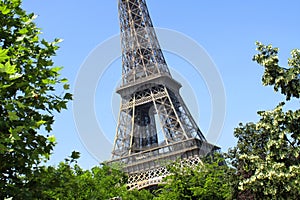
(154, 126)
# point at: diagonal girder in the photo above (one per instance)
(137, 129)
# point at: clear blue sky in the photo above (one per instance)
(227, 30)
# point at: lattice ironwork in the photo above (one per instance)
(141, 54)
(154, 123)
(137, 128)
(155, 176)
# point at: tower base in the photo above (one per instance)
(148, 168)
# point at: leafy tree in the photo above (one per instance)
(209, 180)
(267, 153)
(68, 181)
(137, 194)
(28, 96)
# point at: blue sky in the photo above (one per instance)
(227, 30)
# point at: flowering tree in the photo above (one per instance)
(267, 153)
(208, 180)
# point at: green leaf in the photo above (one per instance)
(14, 134)
(58, 40)
(75, 155)
(68, 96)
(20, 105)
(39, 123)
(66, 86)
(51, 139)
(13, 116)
(23, 31)
(48, 128)
(3, 55)
(3, 148)
(4, 10)
(63, 105)
(64, 80)
(56, 69)
(49, 81)
(6, 86)
(8, 68)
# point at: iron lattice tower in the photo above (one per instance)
(154, 123)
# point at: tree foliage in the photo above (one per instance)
(267, 152)
(69, 181)
(285, 79)
(267, 155)
(72, 182)
(28, 96)
(209, 180)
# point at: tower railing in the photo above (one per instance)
(163, 154)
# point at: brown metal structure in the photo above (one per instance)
(154, 124)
